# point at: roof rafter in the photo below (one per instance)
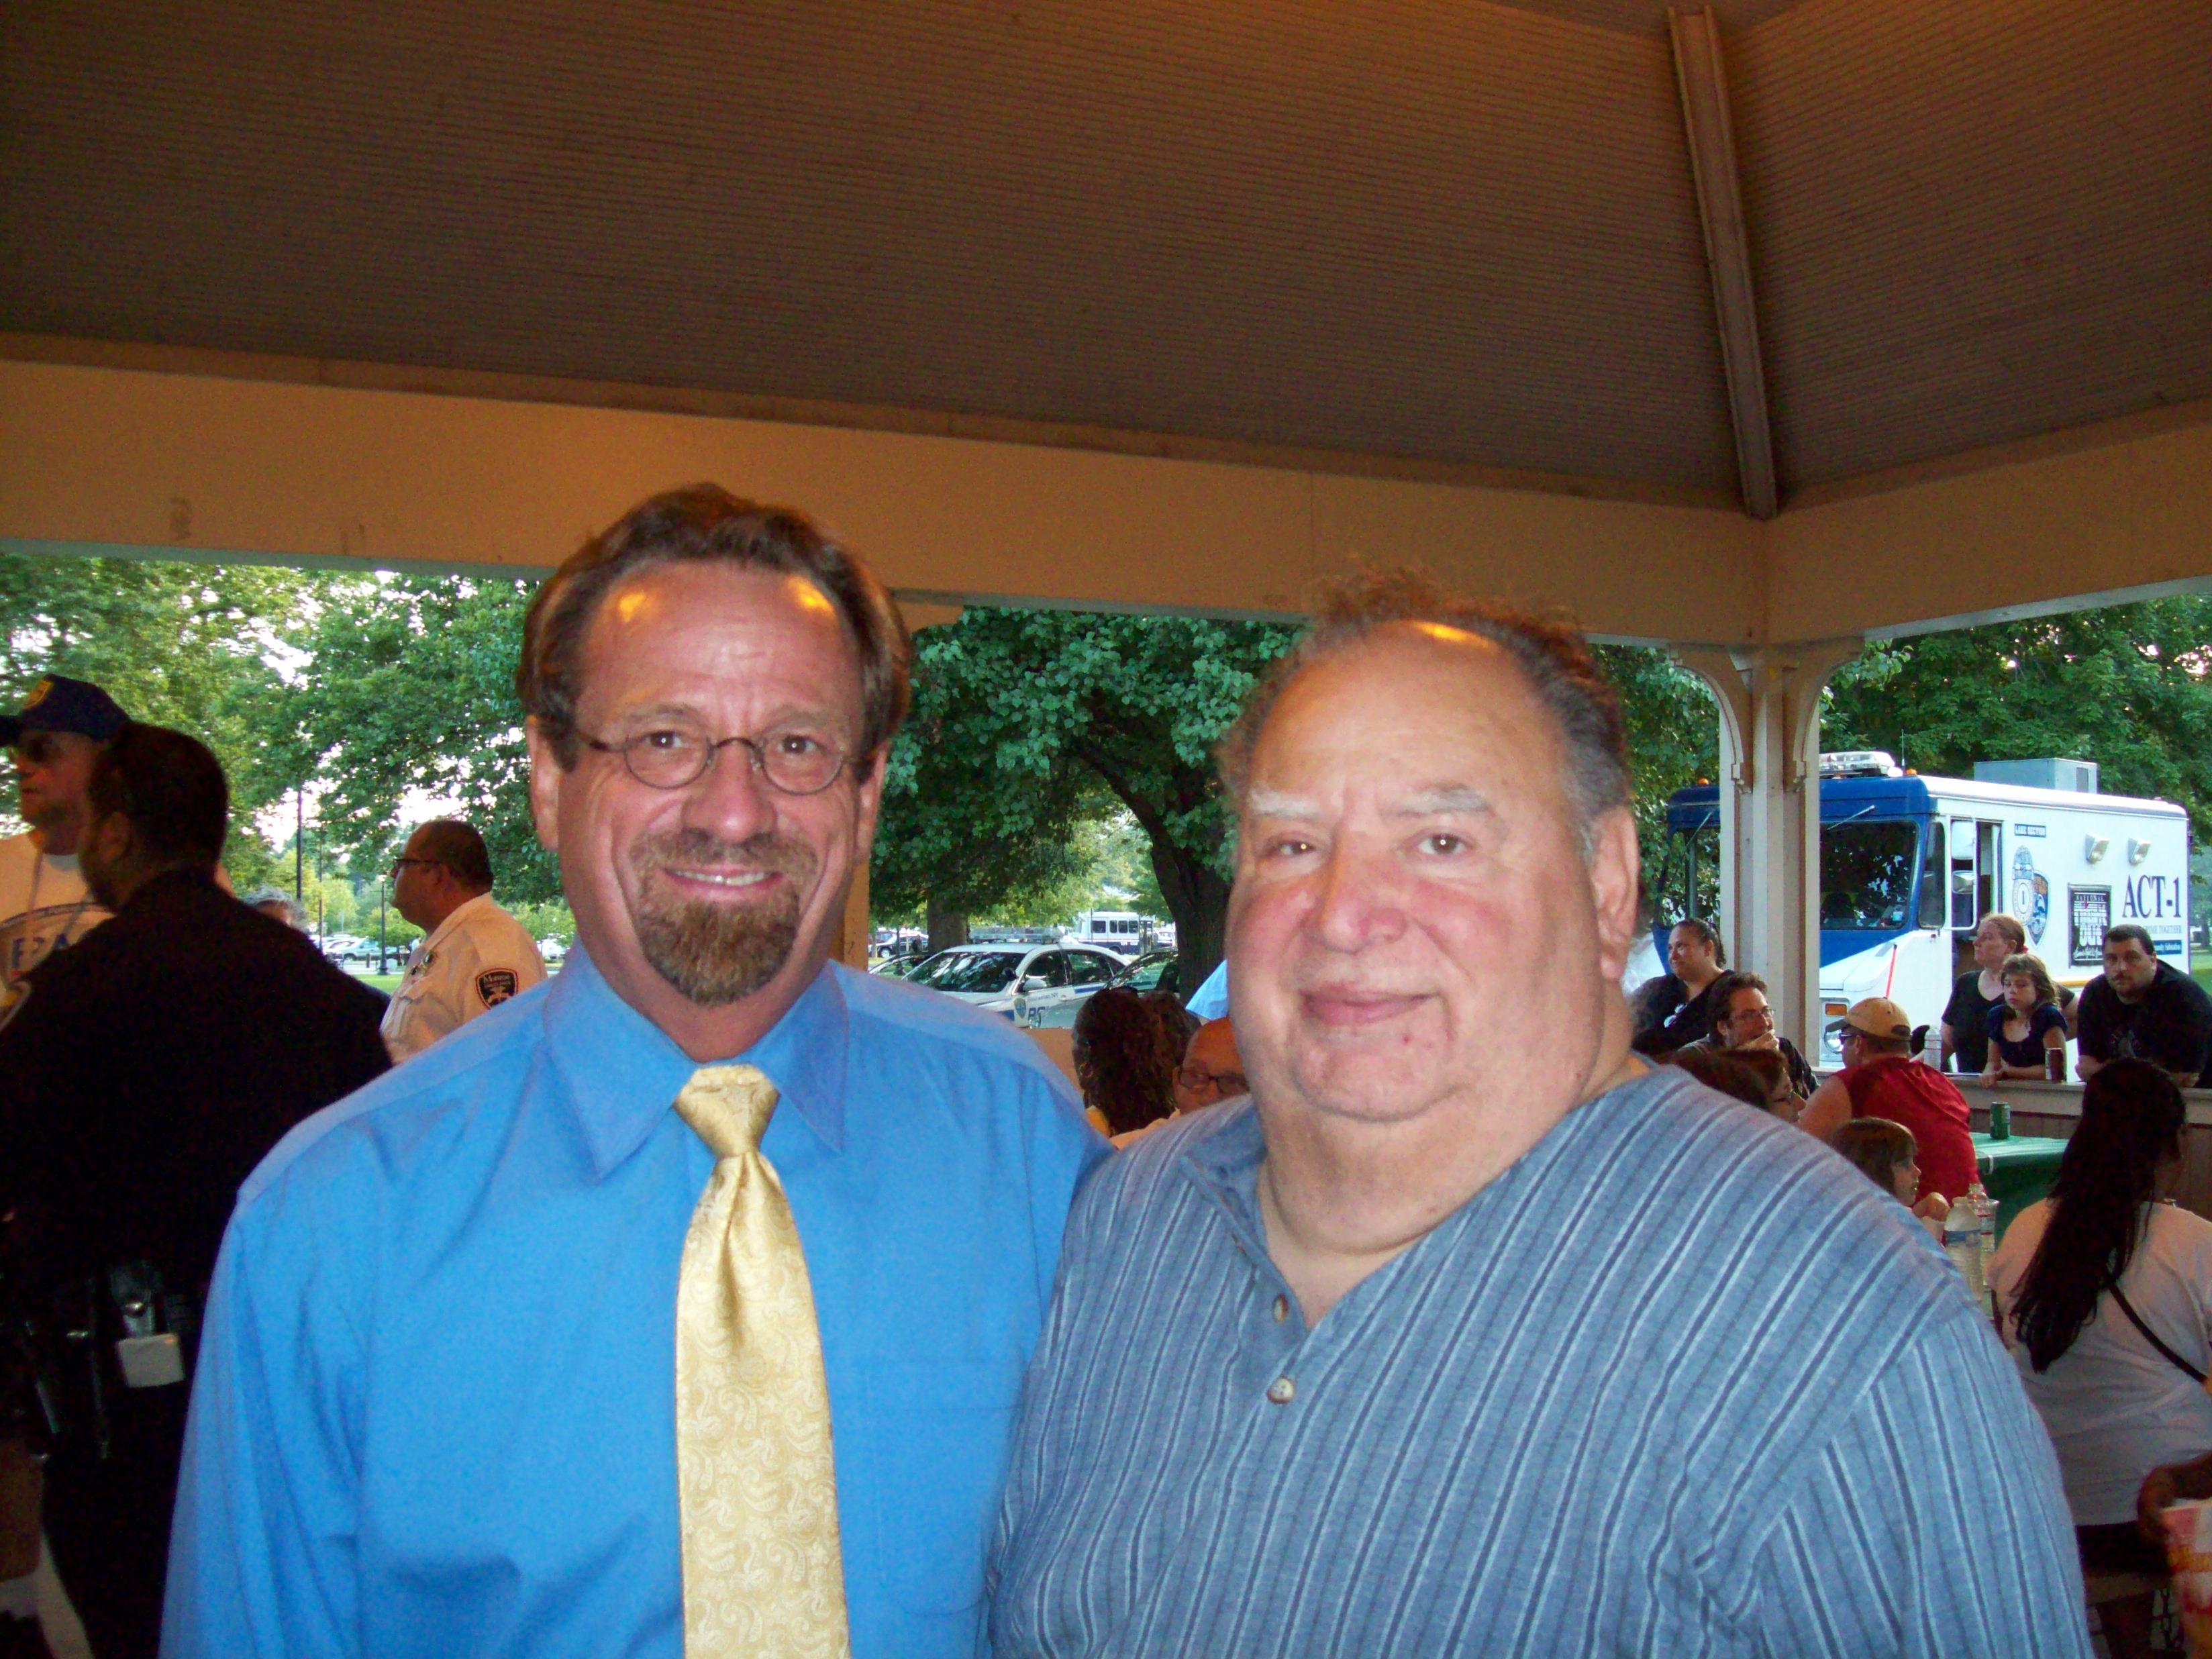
(1705, 121)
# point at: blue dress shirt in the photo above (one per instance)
(434, 1412)
(1211, 1000)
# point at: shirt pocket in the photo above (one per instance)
(938, 1432)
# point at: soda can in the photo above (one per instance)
(2000, 1120)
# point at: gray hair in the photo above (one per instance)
(1550, 651)
(295, 912)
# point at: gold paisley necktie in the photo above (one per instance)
(762, 1571)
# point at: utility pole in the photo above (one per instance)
(383, 888)
(299, 847)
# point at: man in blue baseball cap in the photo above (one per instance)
(44, 904)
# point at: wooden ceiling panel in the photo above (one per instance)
(1388, 228)
(1974, 220)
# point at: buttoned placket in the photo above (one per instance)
(1274, 1331)
(1290, 1359)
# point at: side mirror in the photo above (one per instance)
(1030, 982)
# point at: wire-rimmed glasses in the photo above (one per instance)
(675, 757)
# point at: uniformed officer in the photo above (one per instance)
(44, 904)
(472, 956)
(146, 1071)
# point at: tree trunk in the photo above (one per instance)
(1199, 899)
(946, 929)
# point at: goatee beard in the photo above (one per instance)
(717, 954)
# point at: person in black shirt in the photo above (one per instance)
(148, 1071)
(1744, 1019)
(1965, 1034)
(2144, 1008)
(1675, 1011)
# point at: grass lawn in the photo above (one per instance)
(386, 983)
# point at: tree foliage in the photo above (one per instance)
(2129, 687)
(411, 688)
(180, 645)
(1673, 734)
(1033, 732)
(1024, 719)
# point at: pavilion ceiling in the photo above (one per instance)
(1459, 233)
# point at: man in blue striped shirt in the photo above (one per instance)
(1466, 1333)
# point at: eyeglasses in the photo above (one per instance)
(402, 861)
(794, 762)
(1197, 1080)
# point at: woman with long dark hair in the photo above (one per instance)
(1122, 1061)
(2106, 1296)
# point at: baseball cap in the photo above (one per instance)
(1878, 1017)
(60, 704)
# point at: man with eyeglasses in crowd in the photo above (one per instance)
(44, 904)
(1211, 1071)
(463, 1391)
(472, 956)
(1743, 1018)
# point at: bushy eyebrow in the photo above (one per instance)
(1272, 804)
(1428, 803)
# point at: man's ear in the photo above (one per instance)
(869, 803)
(546, 773)
(1615, 867)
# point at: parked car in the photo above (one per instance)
(1155, 970)
(1032, 985)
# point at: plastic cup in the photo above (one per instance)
(2189, 1555)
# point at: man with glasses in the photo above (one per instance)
(536, 1346)
(1211, 1071)
(1743, 1018)
(472, 956)
(44, 905)
(1880, 1079)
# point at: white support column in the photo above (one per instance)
(1770, 700)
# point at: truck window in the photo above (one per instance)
(1690, 882)
(1934, 871)
(1866, 874)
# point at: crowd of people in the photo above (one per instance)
(2103, 1291)
(711, 1299)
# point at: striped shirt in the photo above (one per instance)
(1679, 1382)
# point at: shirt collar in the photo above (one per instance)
(622, 1072)
(454, 917)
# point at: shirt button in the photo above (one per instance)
(1282, 1390)
(1282, 1309)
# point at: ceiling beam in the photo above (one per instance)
(1698, 71)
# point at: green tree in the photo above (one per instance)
(186, 646)
(409, 686)
(2129, 687)
(1674, 735)
(1022, 719)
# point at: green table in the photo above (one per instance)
(2017, 1172)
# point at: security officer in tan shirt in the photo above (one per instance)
(472, 956)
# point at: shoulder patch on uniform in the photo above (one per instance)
(495, 986)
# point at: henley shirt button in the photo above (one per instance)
(1282, 1309)
(1282, 1390)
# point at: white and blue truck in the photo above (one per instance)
(1909, 864)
